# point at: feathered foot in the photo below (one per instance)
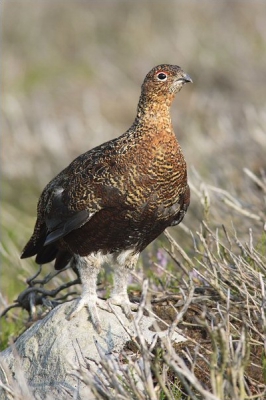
(125, 264)
(88, 269)
(91, 302)
(124, 302)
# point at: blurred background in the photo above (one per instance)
(71, 76)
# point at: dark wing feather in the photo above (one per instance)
(68, 202)
(46, 254)
(62, 259)
(35, 244)
(60, 220)
(60, 227)
(182, 204)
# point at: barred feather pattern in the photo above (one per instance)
(123, 193)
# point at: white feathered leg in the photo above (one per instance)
(89, 268)
(125, 263)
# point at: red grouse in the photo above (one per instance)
(115, 199)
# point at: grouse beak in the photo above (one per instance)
(185, 79)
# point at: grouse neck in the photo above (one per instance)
(154, 111)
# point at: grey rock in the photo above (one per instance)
(57, 358)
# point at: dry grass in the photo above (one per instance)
(219, 308)
(72, 81)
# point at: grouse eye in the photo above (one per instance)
(162, 76)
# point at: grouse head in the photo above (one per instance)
(165, 80)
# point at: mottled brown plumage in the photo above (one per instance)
(113, 200)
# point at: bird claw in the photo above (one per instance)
(91, 303)
(125, 304)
